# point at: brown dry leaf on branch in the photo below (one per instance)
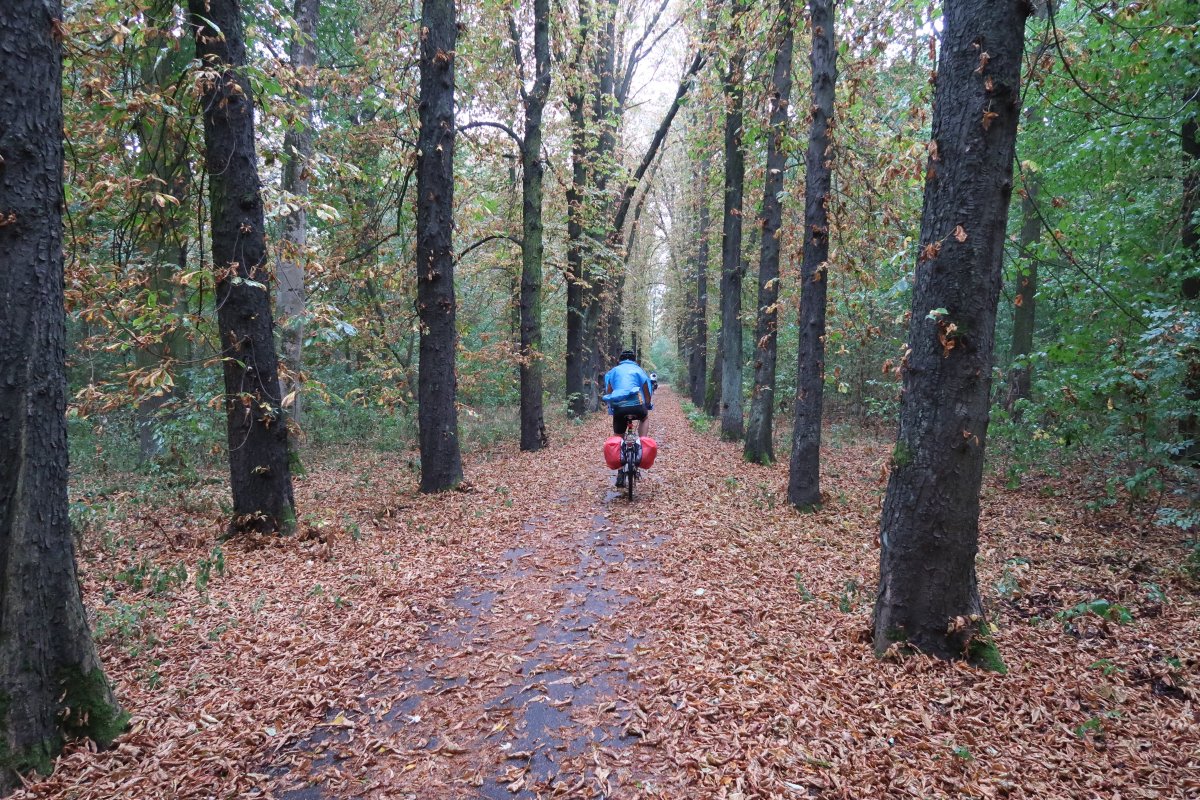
(539, 637)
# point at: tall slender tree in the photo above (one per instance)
(578, 277)
(928, 592)
(698, 327)
(533, 424)
(733, 267)
(51, 681)
(260, 474)
(297, 153)
(804, 470)
(760, 430)
(437, 381)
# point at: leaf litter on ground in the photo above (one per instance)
(409, 646)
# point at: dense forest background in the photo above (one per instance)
(1095, 325)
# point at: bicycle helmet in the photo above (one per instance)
(628, 355)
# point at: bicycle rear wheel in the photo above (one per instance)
(629, 481)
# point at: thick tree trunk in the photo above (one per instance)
(1025, 302)
(760, 425)
(297, 152)
(712, 393)
(437, 382)
(605, 112)
(804, 469)
(260, 475)
(733, 269)
(533, 425)
(698, 344)
(576, 276)
(928, 593)
(51, 682)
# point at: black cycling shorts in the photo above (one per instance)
(621, 417)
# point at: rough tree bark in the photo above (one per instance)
(578, 277)
(605, 114)
(759, 446)
(297, 152)
(51, 683)
(733, 268)
(712, 392)
(533, 424)
(437, 382)
(804, 469)
(928, 593)
(260, 474)
(698, 354)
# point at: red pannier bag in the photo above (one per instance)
(612, 452)
(649, 451)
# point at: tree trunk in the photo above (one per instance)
(804, 470)
(51, 682)
(1025, 302)
(260, 475)
(760, 426)
(698, 346)
(297, 152)
(437, 383)
(928, 593)
(732, 266)
(533, 424)
(576, 274)
(712, 393)
(605, 112)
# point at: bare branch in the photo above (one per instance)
(486, 239)
(498, 125)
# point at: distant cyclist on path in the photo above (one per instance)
(628, 394)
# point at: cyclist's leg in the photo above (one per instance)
(620, 420)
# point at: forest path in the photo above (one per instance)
(528, 687)
(533, 635)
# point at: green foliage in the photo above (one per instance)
(155, 580)
(700, 422)
(206, 567)
(848, 597)
(126, 623)
(1104, 609)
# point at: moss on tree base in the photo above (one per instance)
(983, 653)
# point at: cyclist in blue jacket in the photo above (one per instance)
(628, 394)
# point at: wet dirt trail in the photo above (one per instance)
(528, 686)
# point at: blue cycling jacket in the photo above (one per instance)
(627, 380)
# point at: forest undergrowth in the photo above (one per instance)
(393, 647)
